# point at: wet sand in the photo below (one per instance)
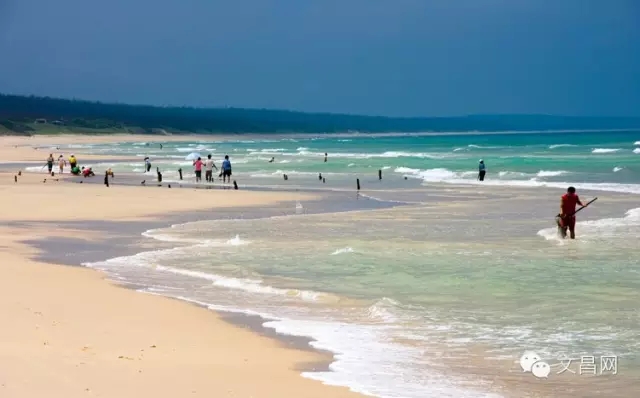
(73, 333)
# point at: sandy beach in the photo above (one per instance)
(37, 148)
(69, 332)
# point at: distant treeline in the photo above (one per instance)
(23, 114)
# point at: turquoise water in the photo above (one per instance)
(468, 272)
(531, 159)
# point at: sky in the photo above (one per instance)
(374, 57)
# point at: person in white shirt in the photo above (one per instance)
(208, 167)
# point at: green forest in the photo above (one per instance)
(28, 115)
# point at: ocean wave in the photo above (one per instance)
(464, 178)
(617, 169)
(483, 146)
(362, 350)
(637, 150)
(384, 310)
(363, 155)
(543, 173)
(359, 351)
(560, 146)
(601, 228)
(247, 285)
(606, 150)
(636, 143)
(35, 169)
(342, 251)
(511, 174)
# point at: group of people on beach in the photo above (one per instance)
(209, 165)
(566, 219)
(62, 162)
(73, 165)
(75, 168)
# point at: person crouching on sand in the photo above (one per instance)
(88, 172)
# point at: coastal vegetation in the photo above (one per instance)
(29, 115)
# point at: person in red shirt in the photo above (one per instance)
(568, 204)
(198, 169)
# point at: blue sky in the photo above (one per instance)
(381, 57)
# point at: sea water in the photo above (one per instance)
(460, 273)
(599, 160)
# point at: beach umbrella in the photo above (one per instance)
(193, 156)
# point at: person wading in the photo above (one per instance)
(209, 166)
(482, 170)
(568, 203)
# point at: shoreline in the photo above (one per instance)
(25, 260)
(77, 237)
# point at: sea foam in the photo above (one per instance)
(466, 178)
(342, 251)
(605, 150)
(560, 146)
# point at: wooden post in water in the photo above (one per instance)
(358, 183)
(380, 174)
(180, 172)
(235, 184)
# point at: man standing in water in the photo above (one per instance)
(209, 166)
(226, 169)
(73, 162)
(147, 164)
(481, 170)
(50, 163)
(568, 203)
